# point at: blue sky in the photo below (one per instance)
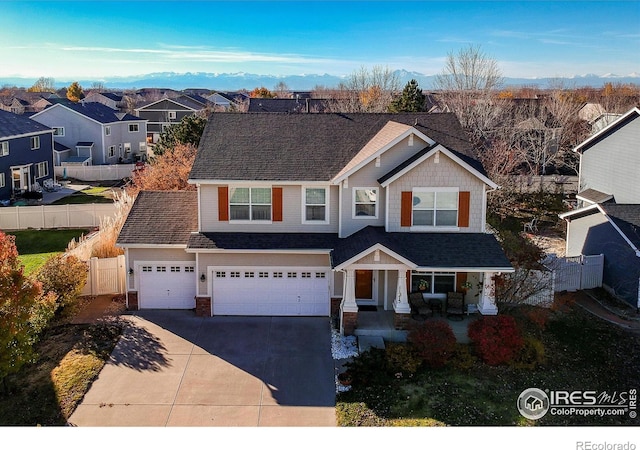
(93, 39)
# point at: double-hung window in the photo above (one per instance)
(133, 128)
(315, 207)
(107, 130)
(4, 148)
(365, 203)
(42, 169)
(58, 131)
(35, 142)
(250, 203)
(437, 207)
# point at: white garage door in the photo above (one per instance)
(270, 291)
(167, 285)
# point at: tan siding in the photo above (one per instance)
(150, 254)
(384, 259)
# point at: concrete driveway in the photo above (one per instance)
(171, 368)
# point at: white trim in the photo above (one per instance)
(257, 183)
(199, 207)
(303, 196)
(591, 202)
(464, 269)
(33, 133)
(315, 251)
(353, 259)
(163, 110)
(432, 152)
(606, 129)
(376, 204)
(591, 207)
(155, 246)
(408, 132)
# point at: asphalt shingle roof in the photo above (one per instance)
(166, 217)
(306, 147)
(627, 219)
(287, 105)
(96, 111)
(438, 250)
(15, 125)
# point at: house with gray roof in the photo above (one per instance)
(318, 215)
(165, 112)
(607, 220)
(26, 155)
(93, 133)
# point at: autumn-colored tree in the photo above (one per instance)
(24, 312)
(167, 172)
(188, 131)
(412, 99)
(261, 92)
(43, 84)
(64, 276)
(74, 92)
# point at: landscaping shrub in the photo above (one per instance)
(531, 355)
(496, 339)
(402, 358)
(358, 415)
(462, 359)
(434, 341)
(65, 276)
(369, 368)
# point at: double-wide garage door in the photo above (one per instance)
(270, 291)
(168, 285)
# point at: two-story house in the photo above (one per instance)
(26, 154)
(165, 112)
(607, 220)
(317, 214)
(90, 133)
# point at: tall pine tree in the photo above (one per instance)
(411, 100)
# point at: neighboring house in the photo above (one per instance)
(94, 133)
(113, 100)
(288, 105)
(224, 101)
(165, 112)
(27, 102)
(26, 154)
(607, 220)
(317, 214)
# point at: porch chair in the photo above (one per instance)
(455, 305)
(531, 226)
(420, 310)
(50, 186)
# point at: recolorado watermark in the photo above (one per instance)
(534, 403)
(589, 445)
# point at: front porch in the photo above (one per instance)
(381, 324)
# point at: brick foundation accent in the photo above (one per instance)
(401, 321)
(132, 301)
(203, 306)
(335, 306)
(349, 322)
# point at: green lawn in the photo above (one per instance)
(96, 194)
(36, 246)
(582, 353)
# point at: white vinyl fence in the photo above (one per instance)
(55, 216)
(106, 276)
(577, 272)
(95, 173)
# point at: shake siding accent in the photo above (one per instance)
(223, 203)
(405, 209)
(464, 198)
(276, 199)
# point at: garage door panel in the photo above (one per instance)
(270, 291)
(167, 286)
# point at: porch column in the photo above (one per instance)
(402, 310)
(487, 304)
(348, 307)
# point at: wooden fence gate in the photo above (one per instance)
(106, 276)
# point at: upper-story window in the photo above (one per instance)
(172, 115)
(35, 142)
(4, 148)
(435, 207)
(315, 205)
(58, 131)
(107, 130)
(250, 203)
(134, 128)
(365, 203)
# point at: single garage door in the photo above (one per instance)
(167, 285)
(270, 291)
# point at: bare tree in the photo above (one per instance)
(281, 90)
(365, 90)
(468, 85)
(43, 84)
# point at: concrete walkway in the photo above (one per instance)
(590, 303)
(171, 368)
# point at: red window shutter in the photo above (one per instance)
(276, 199)
(223, 203)
(406, 209)
(464, 199)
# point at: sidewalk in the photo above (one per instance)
(587, 301)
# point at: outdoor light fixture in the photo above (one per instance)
(202, 278)
(130, 271)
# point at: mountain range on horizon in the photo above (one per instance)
(241, 80)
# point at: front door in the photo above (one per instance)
(364, 284)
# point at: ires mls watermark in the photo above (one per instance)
(534, 403)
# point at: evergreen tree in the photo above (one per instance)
(411, 100)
